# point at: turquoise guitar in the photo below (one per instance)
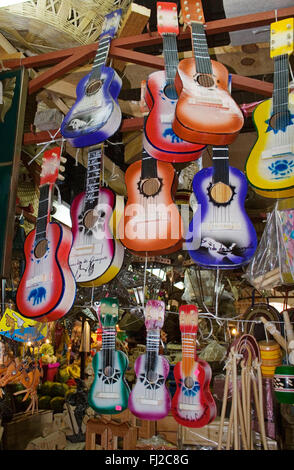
(109, 392)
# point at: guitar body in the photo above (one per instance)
(151, 224)
(47, 288)
(159, 139)
(109, 393)
(223, 235)
(206, 115)
(270, 165)
(96, 256)
(150, 400)
(95, 116)
(193, 406)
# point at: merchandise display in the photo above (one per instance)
(147, 229)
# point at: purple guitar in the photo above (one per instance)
(221, 233)
(96, 115)
(150, 399)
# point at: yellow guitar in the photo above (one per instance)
(270, 165)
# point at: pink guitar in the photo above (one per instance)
(150, 398)
(159, 139)
(47, 288)
(192, 404)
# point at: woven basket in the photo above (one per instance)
(47, 25)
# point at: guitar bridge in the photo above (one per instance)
(278, 152)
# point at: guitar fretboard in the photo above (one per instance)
(108, 346)
(101, 56)
(152, 348)
(43, 212)
(149, 166)
(220, 162)
(281, 85)
(200, 49)
(93, 179)
(170, 53)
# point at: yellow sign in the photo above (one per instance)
(14, 326)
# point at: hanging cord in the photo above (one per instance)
(45, 146)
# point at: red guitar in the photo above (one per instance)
(47, 288)
(205, 112)
(192, 404)
(159, 139)
(152, 223)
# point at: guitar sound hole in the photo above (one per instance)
(108, 371)
(93, 87)
(170, 92)
(189, 382)
(150, 186)
(90, 219)
(204, 80)
(41, 248)
(221, 193)
(151, 376)
(280, 121)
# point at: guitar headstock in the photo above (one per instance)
(281, 37)
(109, 312)
(188, 315)
(154, 314)
(192, 11)
(111, 23)
(51, 167)
(167, 18)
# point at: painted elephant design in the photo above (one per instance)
(38, 295)
(174, 137)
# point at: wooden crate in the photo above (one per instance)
(146, 429)
(24, 427)
(168, 428)
(206, 436)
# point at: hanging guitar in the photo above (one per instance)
(47, 287)
(270, 165)
(159, 139)
(192, 404)
(150, 399)
(96, 115)
(221, 233)
(205, 112)
(96, 256)
(109, 391)
(152, 222)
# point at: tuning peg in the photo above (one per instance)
(63, 159)
(61, 168)
(60, 177)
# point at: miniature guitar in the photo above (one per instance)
(205, 112)
(221, 233)
(96, 256)
(109, 391)
(152, 222)
(270, 165)
(96, 115)
(47, 288)
(159, 139)
(150, 399)
(192, 404)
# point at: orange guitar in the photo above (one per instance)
(152, 223)
(205, 112)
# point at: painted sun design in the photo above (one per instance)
(278, 123)
(112, 379)
(281, 168)
(151, 385)
(190, 392)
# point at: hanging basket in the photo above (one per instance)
(47, 25)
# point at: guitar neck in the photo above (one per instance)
(101, 56)
(220, 162)
(188, 352)
(43, 212)
(200, 49)
(108, 345)
(93, 178)
(171, 59)
(152, 349)
(281, 83)
(149, 166)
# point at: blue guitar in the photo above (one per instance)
(220, 233)
(96, 115)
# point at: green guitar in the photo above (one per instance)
(109, 391)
